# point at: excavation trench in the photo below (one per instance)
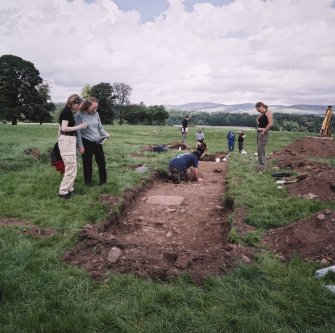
(165, 230)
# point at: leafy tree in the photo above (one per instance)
(23, 94)
(104, 93)
(86, 91)
(141, 114)
(122, 93)
(156, 114)
(135, 114)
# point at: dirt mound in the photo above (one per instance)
(320, 181)
(165, 231)
(35, 152)
(27, 227)
(313, 238)
(177, 145)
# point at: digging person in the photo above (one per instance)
(179, 165)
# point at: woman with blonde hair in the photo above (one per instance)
(67, 144)
(264, 123)
(89, 140)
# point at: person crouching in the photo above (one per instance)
(179, 165)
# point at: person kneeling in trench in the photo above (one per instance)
(179, 165)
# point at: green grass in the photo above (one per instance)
(40, 293)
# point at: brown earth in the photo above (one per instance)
(313, 239)
(166, 230)
(320, 181)
(26, 227)
(164, 241)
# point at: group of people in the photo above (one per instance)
(85, 131)
(231, 140)
(179, 165)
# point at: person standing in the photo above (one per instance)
(240, 140)
(89, 140)
(184, 128)
(231, 141)
(264, 123)
(67, 144)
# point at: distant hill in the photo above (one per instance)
(248, 108)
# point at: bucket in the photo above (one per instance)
(217, 159)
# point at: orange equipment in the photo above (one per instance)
(326, 128)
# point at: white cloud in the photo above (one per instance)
(276, 51)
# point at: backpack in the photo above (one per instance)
(56, 159)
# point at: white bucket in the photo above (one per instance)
(217, 160)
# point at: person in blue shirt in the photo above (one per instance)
(179, 165)
(231, 140)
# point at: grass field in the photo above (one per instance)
(40, 293)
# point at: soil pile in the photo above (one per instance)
(313, 239)
(320, 181)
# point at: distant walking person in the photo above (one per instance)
(184, 128)
(240, 140)
(89, 140)
(231, 140)
(264, 123)
(67, 144)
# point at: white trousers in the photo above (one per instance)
(67, 148)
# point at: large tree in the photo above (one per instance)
(23, 94)
(122, 93)
(104, 93)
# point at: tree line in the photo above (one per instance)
(25, 96)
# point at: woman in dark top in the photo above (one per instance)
(67, 143)
(264, 123)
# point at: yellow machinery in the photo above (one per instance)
(326, 128)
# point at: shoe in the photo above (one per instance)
(73, 192)
(89, 184)
(65, 196)
(102, 183)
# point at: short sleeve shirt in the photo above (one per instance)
(183, 162)
(67, 114)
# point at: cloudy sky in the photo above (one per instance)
(179, 51)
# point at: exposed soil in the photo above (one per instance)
(312, 238)
(27, 227)
(320, 181)
(163, 239)
(164, 230)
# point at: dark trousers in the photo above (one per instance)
(240, 146)
(231, 145)
(91, 148)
